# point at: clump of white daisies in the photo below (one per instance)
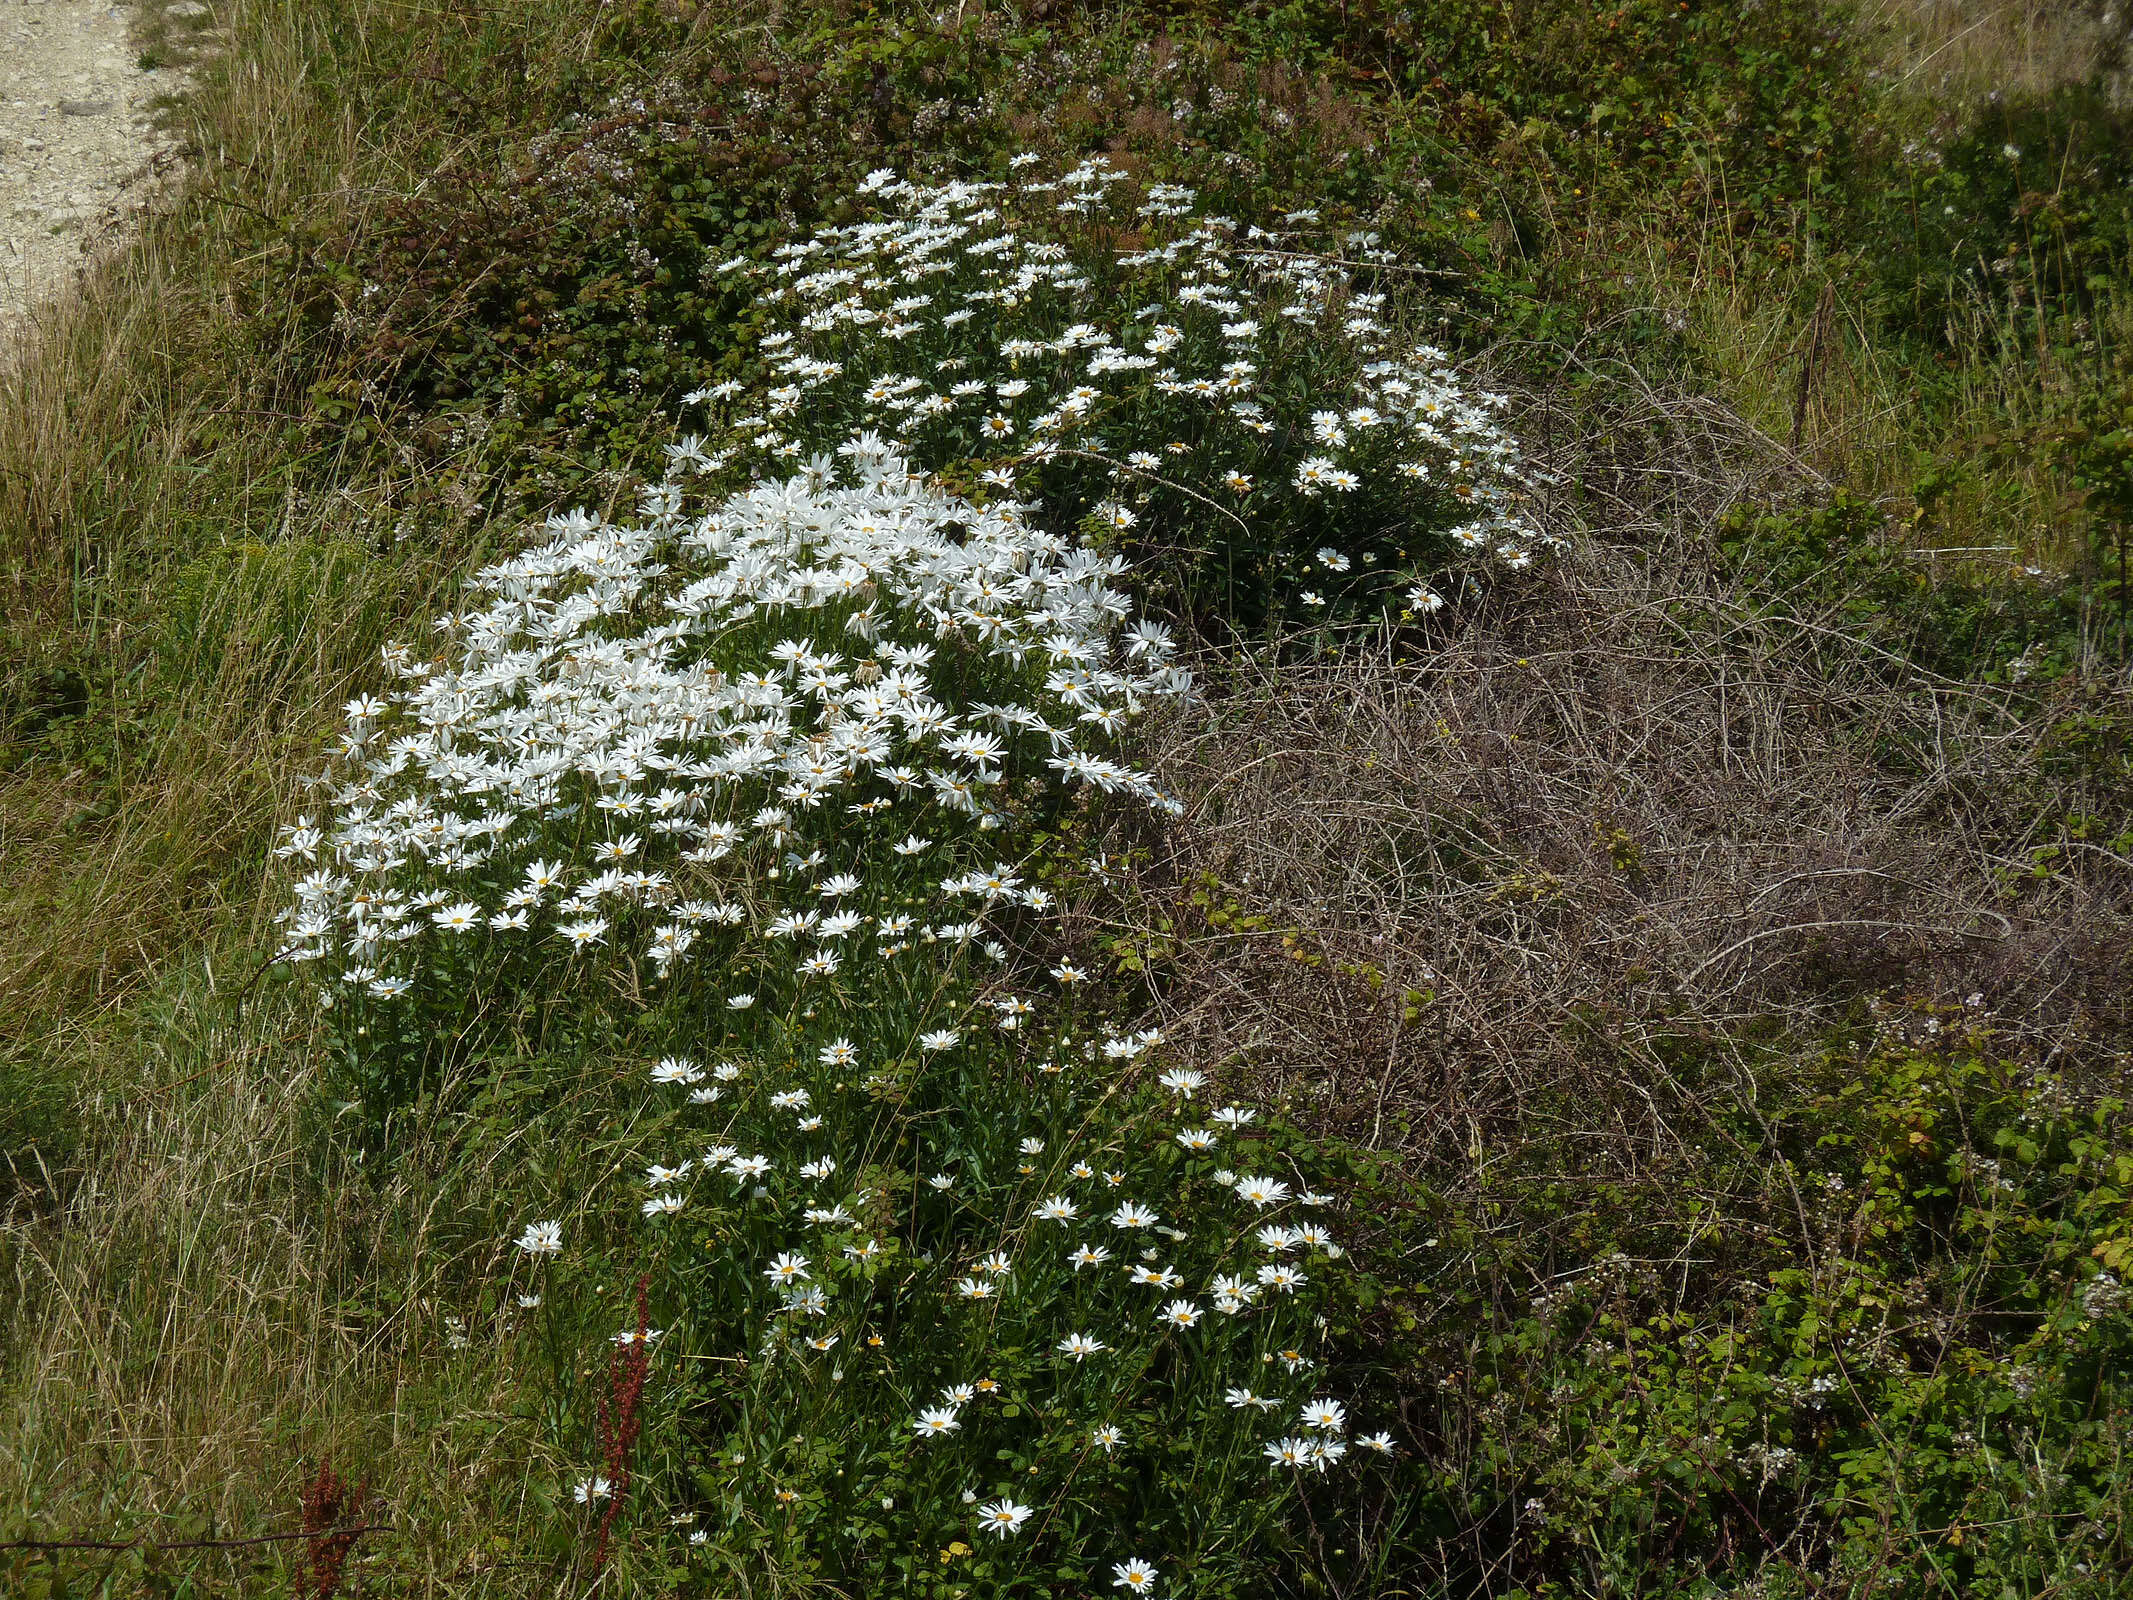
(636, 724)
(780, 753)
(1215, 389)
(896, 1260)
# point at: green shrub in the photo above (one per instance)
(1839, 564)
(2101, 466)
(1875, 1323)
(2027, 213)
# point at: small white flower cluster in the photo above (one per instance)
(1322, 1445)
(1059, 1256)
(970, 323)
(631, 707)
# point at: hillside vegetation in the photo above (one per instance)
(1324, 799)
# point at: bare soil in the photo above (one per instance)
(79, 146)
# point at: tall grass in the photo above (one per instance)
(198, 1293)
(228, 1300)
(132, 456)
(190, 577)
(1855, 411)
(1967, 51)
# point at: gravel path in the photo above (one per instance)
(77, 143)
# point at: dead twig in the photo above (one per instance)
(354, 1531)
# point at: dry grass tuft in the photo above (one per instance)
(224, 1297)
(1965, 50)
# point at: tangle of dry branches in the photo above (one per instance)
(1520, 859)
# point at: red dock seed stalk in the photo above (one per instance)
(619, 1419)
(328, 1503)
